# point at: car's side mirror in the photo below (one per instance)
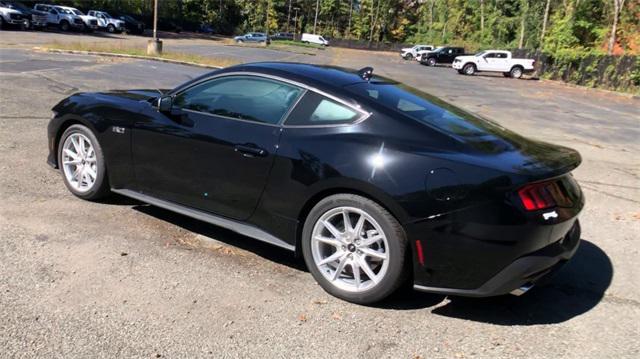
(165, 103)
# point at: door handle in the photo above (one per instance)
(250, 151)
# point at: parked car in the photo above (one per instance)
(90, 22)
(61, 17)
(494, 61)
(443, 55)
(314, 39)
(107, 22)
(409, 53)
(282, 36)
(259, 37)
(421, 53)
(11, 16)
(34, 19)
(131, 24)
(371, 181)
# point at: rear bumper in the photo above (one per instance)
(523, 273)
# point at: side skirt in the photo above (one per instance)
(236, 226)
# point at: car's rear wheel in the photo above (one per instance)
(469, 69)
(354, 248)
(516, 72)
(81, 162)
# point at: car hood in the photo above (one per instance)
(87, 17)
(137, 94)
(10, 11)
(406, 49)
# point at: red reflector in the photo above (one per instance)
(419, 252)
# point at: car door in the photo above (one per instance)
(213, 151)
(487, 63)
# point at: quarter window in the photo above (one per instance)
(315, 109)
(241, 97)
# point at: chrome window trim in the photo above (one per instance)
(364, 114)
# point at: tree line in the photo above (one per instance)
(600, 26)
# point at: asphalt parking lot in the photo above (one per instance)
(122, 279)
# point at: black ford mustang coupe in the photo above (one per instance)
(373, 182)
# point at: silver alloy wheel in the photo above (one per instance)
(470, 70)
(350, 249)
(79, 162)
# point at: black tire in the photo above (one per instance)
(431, 61)
(26, 25)
(64, 25)
(111, 29)
(469, 69)
(101, 186)
(397, 270)
(516, 72)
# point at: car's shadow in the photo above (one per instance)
(577, 288)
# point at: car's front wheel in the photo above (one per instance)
(431, 62)
(469, 69)
(354, 248)
(81, 162)
(111, 29)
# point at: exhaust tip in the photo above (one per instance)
(523, 289)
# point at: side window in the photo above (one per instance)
(490, 55)
(315, 109)
(248, 98)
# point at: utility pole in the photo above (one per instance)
(315, 22)
(295, 24)
(289, 16)
(154, 46)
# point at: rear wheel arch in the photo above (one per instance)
(396, 211)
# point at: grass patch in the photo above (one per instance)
(127, 49)
(297, 43)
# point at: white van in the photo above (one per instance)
(314, 39)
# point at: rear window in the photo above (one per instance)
(425, 108)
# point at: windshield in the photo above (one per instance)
(63, 11)
(427, 109)
(480, 53)
(77, 12)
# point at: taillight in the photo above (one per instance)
(537, 196)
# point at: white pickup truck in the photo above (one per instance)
(107, 22)
(409, 53)
(493, 61)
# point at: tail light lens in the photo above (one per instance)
(537, 196)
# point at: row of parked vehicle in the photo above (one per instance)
(468, 64)
(261, 37)
(65, 18)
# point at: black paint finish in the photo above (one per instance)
(451, 184)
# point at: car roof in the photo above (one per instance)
(332, 76)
